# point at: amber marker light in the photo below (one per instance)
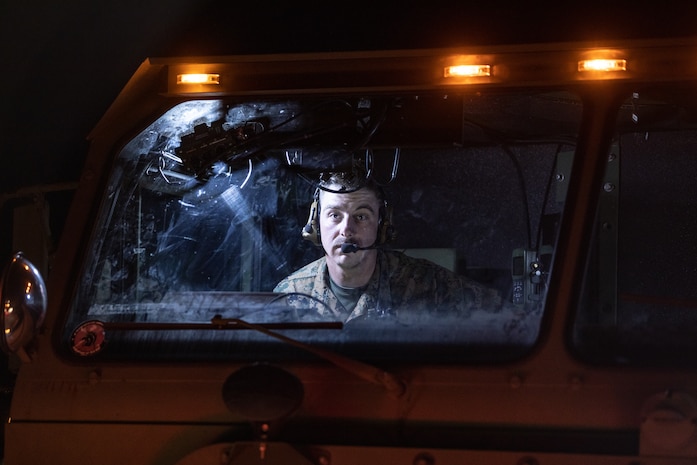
(198, 78)
(467, 71)
(605, 65)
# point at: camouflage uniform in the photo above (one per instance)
(402, 287)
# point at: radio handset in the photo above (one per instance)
(529, 271)
(518, 275)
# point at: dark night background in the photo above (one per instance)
(64, 62)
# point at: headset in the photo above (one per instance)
(386, 231)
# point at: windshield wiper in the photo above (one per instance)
(393, 384)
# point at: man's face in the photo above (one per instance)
(348, 218)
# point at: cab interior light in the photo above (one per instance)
(198, 78)
(467, 70)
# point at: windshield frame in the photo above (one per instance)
(594, 136)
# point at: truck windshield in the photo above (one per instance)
(216, 202)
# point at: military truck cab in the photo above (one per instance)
(555, 179)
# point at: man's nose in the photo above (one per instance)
(348, 227)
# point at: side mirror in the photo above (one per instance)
(24, 301)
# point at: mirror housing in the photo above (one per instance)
(24, 302)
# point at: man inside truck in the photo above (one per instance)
(358, 277)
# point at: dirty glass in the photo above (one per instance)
(204, 212)
(639, 304)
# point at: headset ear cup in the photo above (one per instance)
(386, 232)
(310, 231)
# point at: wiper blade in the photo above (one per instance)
(216, 323)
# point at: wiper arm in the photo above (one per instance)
(394, 385)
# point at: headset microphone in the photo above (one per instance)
(348, 247)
